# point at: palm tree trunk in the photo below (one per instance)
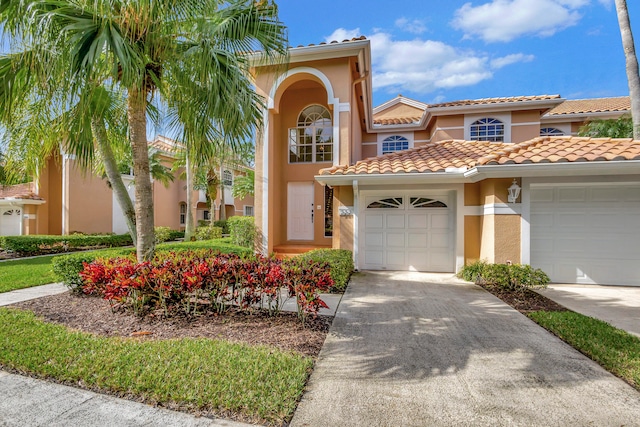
(189, 224)
(111, 168)
(136, 114)
(223, 207)
(633, 75)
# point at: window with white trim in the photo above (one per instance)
(312, 140)
(206, 215)
(551, 132)
(389, 203)
(487, 129)
(248, 211)
(183, 213)
(394, 143)
(227, 178)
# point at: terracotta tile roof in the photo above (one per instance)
(397, 121)
(443, 155)
(491, 101)
(596, 105)
(19, 191)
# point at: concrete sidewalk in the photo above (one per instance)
(616, 305)
(30, 402)
(416, 349)
(12, 297)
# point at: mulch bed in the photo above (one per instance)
(94, 315)
(525, 301)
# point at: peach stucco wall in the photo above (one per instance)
(49, 214)
(88, 202)
(343, 233)
(494, 238)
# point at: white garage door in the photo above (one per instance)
(587, 234)
(10, 221)
(411, 232)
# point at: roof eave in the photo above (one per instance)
(506, 106)
(14, 201)
(395, 178)
(613, 167)
(555, 118)
(312, 53)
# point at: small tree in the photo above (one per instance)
(621, 127)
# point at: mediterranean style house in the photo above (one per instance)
(412, 186)
(64, 199)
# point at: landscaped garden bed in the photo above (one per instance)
(182, 331)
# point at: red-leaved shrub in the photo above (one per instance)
(187, 281)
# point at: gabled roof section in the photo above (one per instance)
(165, 145)
(620, 104)
(459, 156)
(399, 111)
(313, 52)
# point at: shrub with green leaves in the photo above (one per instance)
(340, 263)
(510, 276)
(209, 232)
(67, 268)
(222, 223)
(162, 234)
(44, 244)
(242, 230)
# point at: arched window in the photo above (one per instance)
(227, 178)
(394, 143)
(311, 141)
(551, 132)
(487, 129)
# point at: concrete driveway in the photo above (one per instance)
(415, 349)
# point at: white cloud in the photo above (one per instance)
(415, 26)
(505, 20)
(510, 59)
(424, 66)
(343, 34)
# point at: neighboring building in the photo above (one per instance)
(65, 200)
(411, 186)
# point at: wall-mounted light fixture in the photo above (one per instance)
(514, 192)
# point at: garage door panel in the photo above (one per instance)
(418, 240)
(374, 221)
(395, 221)
(374, 239)
(396, 240)
(440, 221)
(373, 257)
(587, 234)
(572, 194)
(418, 221)
(542, 195)
(439, 240)
(395, 258)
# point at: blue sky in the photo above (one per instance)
(436, 51)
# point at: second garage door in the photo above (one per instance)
(587, 234)
(410, 232)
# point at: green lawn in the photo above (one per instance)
(259, 382)
(616, 350)
(24, 273)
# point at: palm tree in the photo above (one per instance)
(187, 52)
(633, 74)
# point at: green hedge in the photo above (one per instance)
(510, 276)
(340, 262)
(222, 223)
(41, 244)
(242, 230)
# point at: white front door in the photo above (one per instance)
(300, 211)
